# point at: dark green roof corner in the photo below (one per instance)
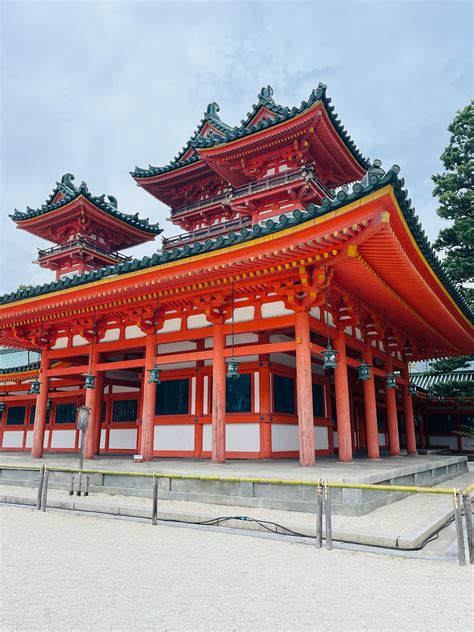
(377, 179)
(70, 192)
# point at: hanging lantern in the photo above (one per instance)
(329, 358)
(412, 388)
(154, 377)
(364, 372)
(49, 404)
(89, 381)
(2, 407)
(390, 381)
(34, 387)
(232, 368)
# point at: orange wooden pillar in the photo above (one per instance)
(304, 389)
(148, 404)
(198, 427)
(41, 404)
(392, 419)
(370, 405)
(99, 404)
(218, 395)
(408, 412)
(265, 402)
(342, 399)
(94, 418)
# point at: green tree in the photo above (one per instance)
(452, 388)
(455, 190)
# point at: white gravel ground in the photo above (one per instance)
(69, 572)
(391, 520)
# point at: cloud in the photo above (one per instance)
(96, 87)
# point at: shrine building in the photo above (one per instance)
(280, 321)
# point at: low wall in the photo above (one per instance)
(247, 494)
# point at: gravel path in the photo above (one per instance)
(391, 520)
(86, 573)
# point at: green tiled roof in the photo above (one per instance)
(265, 98)
(71, 192)
(375, 179)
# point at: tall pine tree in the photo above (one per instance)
(455, 189)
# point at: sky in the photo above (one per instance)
(95, 88)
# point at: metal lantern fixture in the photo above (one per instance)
(329, 355)
(390, 381)
(232, 364)
(154, 372)
(34, 387)
(412, 388)
(49, 404)
(89, 381)
(364, 372)
(2, 407)
(154, 375)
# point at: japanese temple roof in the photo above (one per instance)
(282, 114)
(428, 380)
(70, 192)
(375, 179)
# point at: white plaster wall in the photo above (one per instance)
(381, 438)
(193, 396)
(178, 365)
(205, 404)
(321, 440)
(452, 442)
(242, 339)
(358, 333)
(256, 391)
(173, 324)
(12, 439)
(283, 358)
(61, 343)
(117, 388)
(133, 331)
(207, 437)
(111, 335)
(284, 437)
(176, 347)
(336, 439)
(208, 343)
(242, 437)
(63, 438)
(125, 439)
(275, 309)
(79, 341)
(315, 312)
(174, 437)
(29, 439)
(102, 439)
(197, 320)
(46, 439)
(242, 314)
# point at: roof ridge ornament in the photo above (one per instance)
(212, 110)
(67, 179)
(266, 94)
(113, 201)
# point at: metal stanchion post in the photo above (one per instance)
(154, 515)
(44, 496)
(459, 529)
(71, 487)
(86, 492)
(328, 520)
(82, 423)
(466, 499)
(40, 488)
(319, 516)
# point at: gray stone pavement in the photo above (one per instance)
(75, 573)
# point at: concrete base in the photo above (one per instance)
(409, 470)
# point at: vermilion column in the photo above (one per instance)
(148, 405)
(94, 419)
(342, 400)
(218, 396)
(265, 401)
(99, 403)
(392, 419)
(41, 404)
(370, 405)
(304, 389)
(408, 412)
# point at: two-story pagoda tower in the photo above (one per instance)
(278, 160)
(89, 231)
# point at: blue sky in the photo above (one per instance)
(94, 88)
